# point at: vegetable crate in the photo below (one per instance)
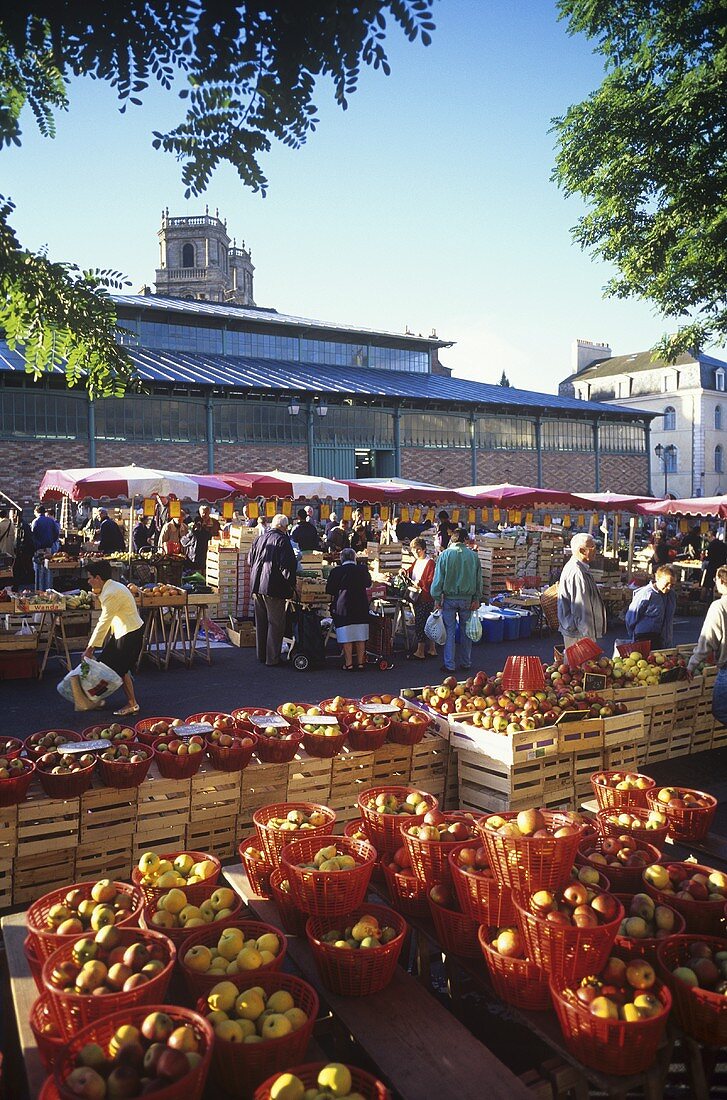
(37, 874)
(351, 774)
(309, 779)
(112, 859)
(107, 816)
(216, 836)
(46, 825)
(262, 784)
(429, 765)
(213, 794)
(392, 765)
(487, 784)
(162, 812)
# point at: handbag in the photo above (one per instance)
(413, 593)
(435, 629)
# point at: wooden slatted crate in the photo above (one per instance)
(486, 784)
(46, 824)
(351, 774)
(8, 832)
(35, 875)
(214, 794)
(429, 765)
(112, 860)
(392, 765)
(662, 722)
(309, 779)
(686, 700)
(680, 743)
(262, 784)
(623, 729)
(451, 789)
(218, 836)
(162, 813)
(107, 815)
(580, 737)
(558, 787)
(584, 765)
(6, 883)
(623, 757)
(719, 736)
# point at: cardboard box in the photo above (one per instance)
(242, 634)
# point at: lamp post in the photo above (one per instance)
(665, 454)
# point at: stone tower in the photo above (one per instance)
(197, 260)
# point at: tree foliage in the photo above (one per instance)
(504, 381)
(247, 75)
(647, 151)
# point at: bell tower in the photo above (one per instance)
(197, 260)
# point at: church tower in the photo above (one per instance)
(197, 260)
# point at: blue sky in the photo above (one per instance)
(427, 204)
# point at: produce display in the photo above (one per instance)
(102, 964)
(332, 1080)
(329, 859)
(49, 739)
(623, 991)
(114, 732)
(704, 968)
(615, 851)
(123, 751)
(438, 827)
(174, 911)
(364, 935)
(624, 781)
(647, 823)
(253, 1015)
(60, 763)
(233, 954)
(687, 885)
(78, 913)
(190, 746)
(9, 769)
(414, 804)
(531, 823)
(298, 820)
(184, 870)
(647, 920)
(577, 905)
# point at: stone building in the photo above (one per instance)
(687, 399)
(198, 260)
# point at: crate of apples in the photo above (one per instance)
(339, 705)
(255, 1015)
(192, 872)
(177, 758)
(430, 843)
(87, 907)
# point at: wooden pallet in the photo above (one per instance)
(392, 765)
(218, 836)
(107, 815)
(214, 794)
(309, 779)
(35, 875)
(46, 825)
(262, 784)
(112, 860)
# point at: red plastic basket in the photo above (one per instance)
(356, 829)
(623, 879)
(347, 706)
(189, 1087)
(234, 757)
(625, 649)
(278, 750)
(242, 716)
(306, 706)
(179, 936)
(123, 774)
(70, 785)
(34, 752)
(688, 824)
(324, 746)
(700, 1013)
(34, 960)
(46, 941)
(93, 733)
(456, 932)
(199, 985)
(15, 789)
(209, 716)
(172, 766)
(585, 649)
(618, 1047)
(564, 951)
(407, 894)
(608, 797)
(357, 972)
(384, 830)
(627, 947)
(197, 890)
(517, 982)
(240, 1067)
(408, 733)
(11, 747)
(481, 895)
(273, 840)
(430, 858)
(72, 1011)
(362, 1083)
(292, 918)
(657, 836)
(705, 917)
(142, 729)
(365, 740)
(49, 1042)
(327, 893)
(532, 863)
(258, 871)
(523, 674)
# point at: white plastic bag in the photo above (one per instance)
(435, 629)
(97, 681)
(473, 630)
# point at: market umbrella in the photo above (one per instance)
(514, 496)
(691, 506)
(609, 502)
(129, 482)
(378, 490)
(277, 483)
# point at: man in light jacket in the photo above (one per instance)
(581, 613)
(272, 581)
(650, 616)
(457, 590)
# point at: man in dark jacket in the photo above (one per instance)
(272, 581)
(110, 535)
(304, 533)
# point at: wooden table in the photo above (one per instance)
(24, 992)
(56, 637)
(421, 1050)
(201, 606)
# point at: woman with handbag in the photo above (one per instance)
(421, 575)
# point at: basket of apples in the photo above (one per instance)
(366, 732)
(569, 933)
(218, 719)
(386, 809)
(294, 711)
(515, 979)
(697, 892)
(322, 735)
(408, 725)
(234, 951)
(16, 776)
(644, 926)
(455, 930)
(615, 1022)
(125, 764)
(11, 747)
(621, 858)
(149, 730)
(190, 871)
(357, 956)
(175, 916)
(339, 705)
(292, 918)
(61, 916)
(407, 894)
(229, 752)
(156, 1049)
(481, 895)
(430, 843)
(114, 733)
(259, 1030)
(242, 716)
(328, 875)
(689, 813)
(696, 973)
(46, 1032)
(323, 1079)
(127, 966)
(621, 789)
(281, 822)
(179, 758)
(277, 744)
(44, 741)
(65, 775)
(533, 849)
(256, 865)
(648, 825)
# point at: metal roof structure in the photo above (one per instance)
(275, 377)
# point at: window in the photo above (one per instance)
(670, 418)
(152, 419)
(567, 435)
(188, 255)
(665, 384)
(42, 414)
(420, 429)
(615, 438)
(258, 422)
(718, 418)
(718, 459)
(719, 380)
(671, 459)
(505, 433)
(356, 425)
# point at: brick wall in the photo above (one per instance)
(187, 458)
(569, 470)
(624, 474)
(235, 457)
(440, 467)
(496, 467)
(24, 463)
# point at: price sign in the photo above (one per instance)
(269, 720)
(347, 512)
(384, 512)
(253, 509)
(572, 716)
(149, 506)
(175, 509)
(495, 515)
(287, 508)
(191, 729)
(594, 681)
(319, 720)
(455, 515)
(404, 514)
(366, 512)
(581, 520)
(325, 511)
(76, 748)
(379, 708)
(270, 506)
(228, 509)
(417, 515)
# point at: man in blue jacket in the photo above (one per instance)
(650, 616)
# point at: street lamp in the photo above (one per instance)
(665, 454)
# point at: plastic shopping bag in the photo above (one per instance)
(97, 681)
(435, 629)
(473, 630)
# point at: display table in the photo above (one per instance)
(23, 992)
(199, 608)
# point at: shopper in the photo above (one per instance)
(203, 530)
(457, 590)
(120, 619)
(360, 532)
(347, 585)
(272, 582)
(444, 530)
(142, 535)
(650, 616)
(7, 534)
(421, 575)
(712, 645)
(110, 535)
(337, 537)
(304, 534)
(170, 539)
(23, 566)
(46, 533)
(581, 613)
(661, 554)
(331, 522)
(715, 558)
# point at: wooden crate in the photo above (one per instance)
(112, 860)
(488, 784)
(8, 832)
(680, 743)
(660, 727)
(6, 883)
(214, 794)
(392, 765)
(623, 757)
(107, 815)
(46, 825)
(623, 729)
(35, 875)
(584, 765)
(218, 836)
(558, 788)
(165, 835)
(351, 774)
(702, 736)
(580, 737)
(162, 804)
(686, 700)
(262, 784)
(451, 787)
(719, 736)
(429, 765)
(309, 779)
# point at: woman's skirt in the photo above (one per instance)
(354, 632)
(121, 654)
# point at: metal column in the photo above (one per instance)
(647, 438)
(210, 410)
(473, 448)
(309, 435)
(539, 452)
(91, 432)
(397, 441)
(597, 455)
